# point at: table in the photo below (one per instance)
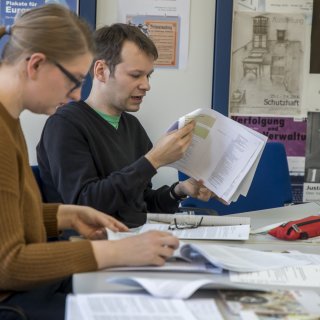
(96, 281)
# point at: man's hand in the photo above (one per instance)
(171, 147)
(195, 189)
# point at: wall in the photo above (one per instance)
(173, 93)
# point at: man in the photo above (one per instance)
(95, 153)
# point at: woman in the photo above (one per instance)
(43, 65)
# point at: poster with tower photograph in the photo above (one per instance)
(267, 61)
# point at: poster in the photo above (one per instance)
(267, 63)
(164, 31)
(173, 15)
(9, 9)
(292, 133)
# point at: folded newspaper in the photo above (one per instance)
(223, 153)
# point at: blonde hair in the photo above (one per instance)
(52, 30)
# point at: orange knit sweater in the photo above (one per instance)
(26, 259)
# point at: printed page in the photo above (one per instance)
(124, 306)
(266, 302)
(194, 219)
(204, 309)
(304, 276)
(221, 153)
(239, 259)
(164, 288)
(238, 232)
(173, 264)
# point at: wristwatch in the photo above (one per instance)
(175, 196)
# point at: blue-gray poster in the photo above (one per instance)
(9, 9)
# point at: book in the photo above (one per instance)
(224, 154)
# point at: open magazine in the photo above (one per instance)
(223, 153)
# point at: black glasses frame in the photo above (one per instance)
(77, 83)
(182, 226)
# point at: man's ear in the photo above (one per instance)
(101, 70)
(34, 63)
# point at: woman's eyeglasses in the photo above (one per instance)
(77, 83)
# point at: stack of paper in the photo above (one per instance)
(223, 153)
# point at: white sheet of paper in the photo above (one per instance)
(241, 259)
(310, 300)
(307, 276)
(115, 306)
(193, 219)
(161, 288)
(239, 232)
(204, 309)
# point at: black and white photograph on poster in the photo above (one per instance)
(311, 187)
(267, 64)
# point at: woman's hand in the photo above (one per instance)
(87, 221)
(149, 248)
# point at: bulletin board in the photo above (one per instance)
(267, 76)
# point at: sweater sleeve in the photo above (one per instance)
(25, 264)
(50, 218)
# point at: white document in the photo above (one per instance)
(194, 219)
(238, 232)
(125, 306)
(223, 153)
(173, 265)
(161, 288)
(236, 258)
(204, 309)
(307, 276)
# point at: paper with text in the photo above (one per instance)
(236, 258)
(194, 219)
(223, 153)
(125, 306)
(306, 276)
(237, 232)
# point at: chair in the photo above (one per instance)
(270, 186)
(15, 310)
(36, 173)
